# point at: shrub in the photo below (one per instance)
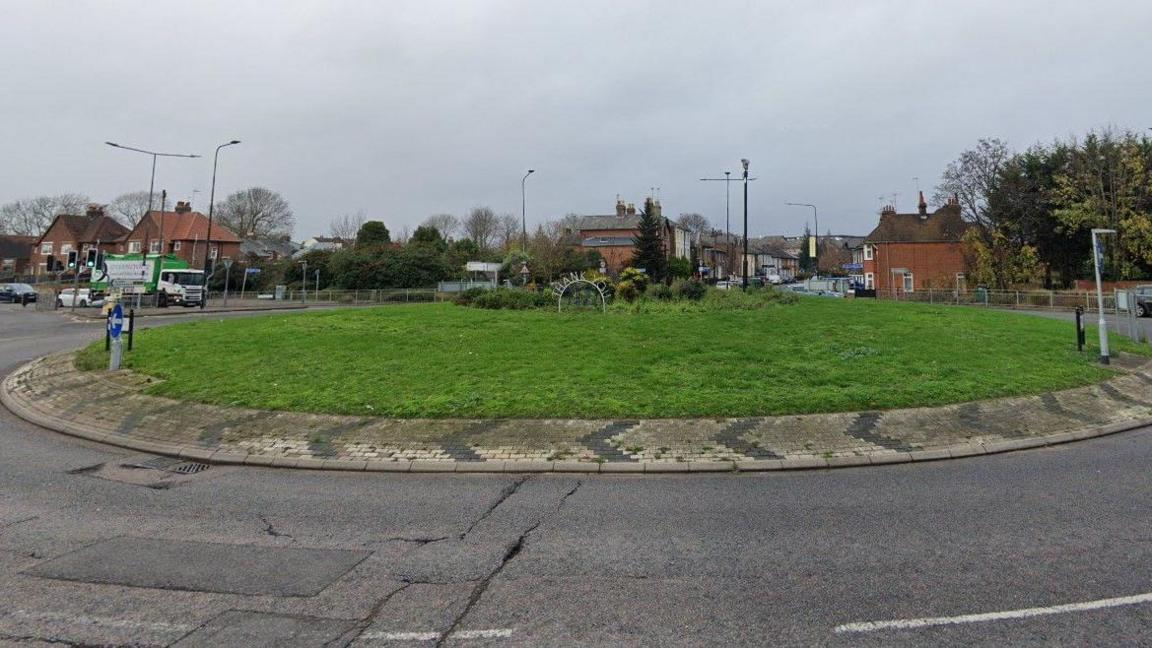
(639, 279)
(691, 290)
(660, 291)
(466, 297)
(504, 298)
(627, 290)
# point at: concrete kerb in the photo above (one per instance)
(12, 399)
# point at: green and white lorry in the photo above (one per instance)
(169, 278)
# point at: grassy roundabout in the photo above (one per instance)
(820, 355)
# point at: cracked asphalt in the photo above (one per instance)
(94, 554)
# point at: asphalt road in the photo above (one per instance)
(95, 554)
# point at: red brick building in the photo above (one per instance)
(75, 232)
(182, 232)
(910, 252)
(15, 255)
(613, 236)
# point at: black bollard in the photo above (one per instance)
(1080, 329)
(131, 326)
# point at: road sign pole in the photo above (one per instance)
(115, 328)
(1102, 324)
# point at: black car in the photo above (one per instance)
(14, 293)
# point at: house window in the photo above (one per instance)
(176, 246)
(867, 252)
(154, 247)
(134, 247)
(214, 252)
(46, 248)
(65, 248)
(909, 283)
(869, 281)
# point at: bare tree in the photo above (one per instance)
(447, 224)
(129, 208)
(482, 226)
(404, 235)
(257, 212)
(972, 178)
(32, 216)
(508, 231)
(346, 226)
(694, 223)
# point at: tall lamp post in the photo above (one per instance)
(744, 162)
(151, 190)
(524, 210)
(816, 220)
(154, 154)
(211, 205)
(727, 180)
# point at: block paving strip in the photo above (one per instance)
(114, 408)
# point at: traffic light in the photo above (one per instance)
(90, 261)
(51, 263)
(99, 258)
(72, 259)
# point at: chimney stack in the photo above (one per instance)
(887, 209)
(923, 206)
(95, 210)
(621, 208)
(631, 211)
(183, 207)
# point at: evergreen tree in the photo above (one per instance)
(373, 233)
(649, 247)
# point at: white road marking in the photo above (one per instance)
(495, 633)
(1025, 613)
(74, 620)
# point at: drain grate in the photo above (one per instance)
(189, 468)
(169, 464)
(155, 463)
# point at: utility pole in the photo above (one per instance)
(816, 252)
(524, 211)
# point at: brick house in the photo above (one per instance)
(15, 254)
(613, 236)
(93, 229)
(182, 232)
(909, 252)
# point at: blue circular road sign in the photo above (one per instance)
(116, 321)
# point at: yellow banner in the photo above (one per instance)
(812, 246)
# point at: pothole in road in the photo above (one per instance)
(158, 473)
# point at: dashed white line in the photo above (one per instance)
(1025, 613)
(494, 633)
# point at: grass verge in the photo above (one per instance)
(820, 355)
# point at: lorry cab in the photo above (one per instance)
(183, 286)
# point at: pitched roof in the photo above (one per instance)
(88, 228)
(268, 247)
(945, 225)
(16, 247)
(189, 226)
(609, 222)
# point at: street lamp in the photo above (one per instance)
(744, 162)
(151, 189)
(524, 210)
(1101, 324)
(154, 154)
(727, 179)
(525, 273)
(211, 204)
(304, 282)
(816, 220)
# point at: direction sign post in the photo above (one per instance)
(115, 328)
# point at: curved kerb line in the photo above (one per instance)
(1025, 613)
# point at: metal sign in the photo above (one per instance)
(575, 281)
(480, 266)
(116, 322)
(252, 271)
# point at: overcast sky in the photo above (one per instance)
(405, 109)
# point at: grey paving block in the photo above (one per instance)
(203, 566)
(245, 629)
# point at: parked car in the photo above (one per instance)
(726, 285)
(83, 298)
(1143, 300)
(14, 293)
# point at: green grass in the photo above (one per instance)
(442, 360)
